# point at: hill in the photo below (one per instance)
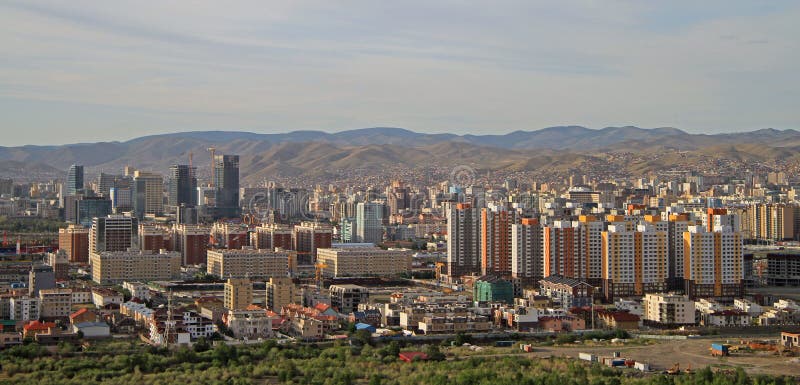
(312, 152)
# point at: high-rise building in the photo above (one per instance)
(229, 235)
(74, 180)
(310, 236)
(560, 250)
(677, 224)
(713, 262)
(148, 194)
(182, 186)
(527, 251)
(369, 220)
(463, 240)
(347, 231)
(773, 221)
(280, 292)
(113, 233)
(272, 235)
(121, 199)
(589, 231)
(105, 182)
(226, 181)
(634, 262)
(238, 293)
(398, 197)
(74, 241)
(151, 238)
(496, 241)
(192, 242)
(88, 208)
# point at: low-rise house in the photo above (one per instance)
(747, 306)
(10, 339)
(82, 315)
(92, 329)
(35, 327)
(568, 292)
(618, 320)
(368, 316)
(309, 323)
(81, 295)
(518, 318)
(790, 339)
(726, 318)
(182, 328)
(454, 325)
(250, 323)
(566, 323)
(137, 290)
(102, 297)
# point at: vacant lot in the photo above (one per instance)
(694, 353)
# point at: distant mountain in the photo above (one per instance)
(302, 152)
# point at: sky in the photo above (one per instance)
(88, 71)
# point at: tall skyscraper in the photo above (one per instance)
(677, 225)
(182, 186)
(226, 181)
(105, 182)
(148, 194)
(398, 197)
(369, 220)
(713, 262)
(560, 250)
(496, 241)
(634, 262)
(88, 208)
(527, 251)
(74, 180)
(464, 242)
(113, 233)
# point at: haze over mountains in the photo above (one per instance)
(302, 152)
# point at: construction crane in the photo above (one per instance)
(191, 155)
(438, 270)
(675, 369)
(213, 151)
(318, 273)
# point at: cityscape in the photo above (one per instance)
(160, 225)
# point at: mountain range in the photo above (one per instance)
(303, 152)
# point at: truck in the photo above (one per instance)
(719, 350)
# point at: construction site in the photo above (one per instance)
(676, 357)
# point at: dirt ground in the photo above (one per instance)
(692, 353)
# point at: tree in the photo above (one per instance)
(463, 338)
(201, 345)
(433, 353)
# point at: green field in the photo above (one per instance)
(128, 362)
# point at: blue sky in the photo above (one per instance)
(79, 71)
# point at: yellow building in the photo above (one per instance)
(712, 263)
(363, 262)
(238, 293)
(280, 292)
(634, 262)
(255, 264)
(119, 266)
